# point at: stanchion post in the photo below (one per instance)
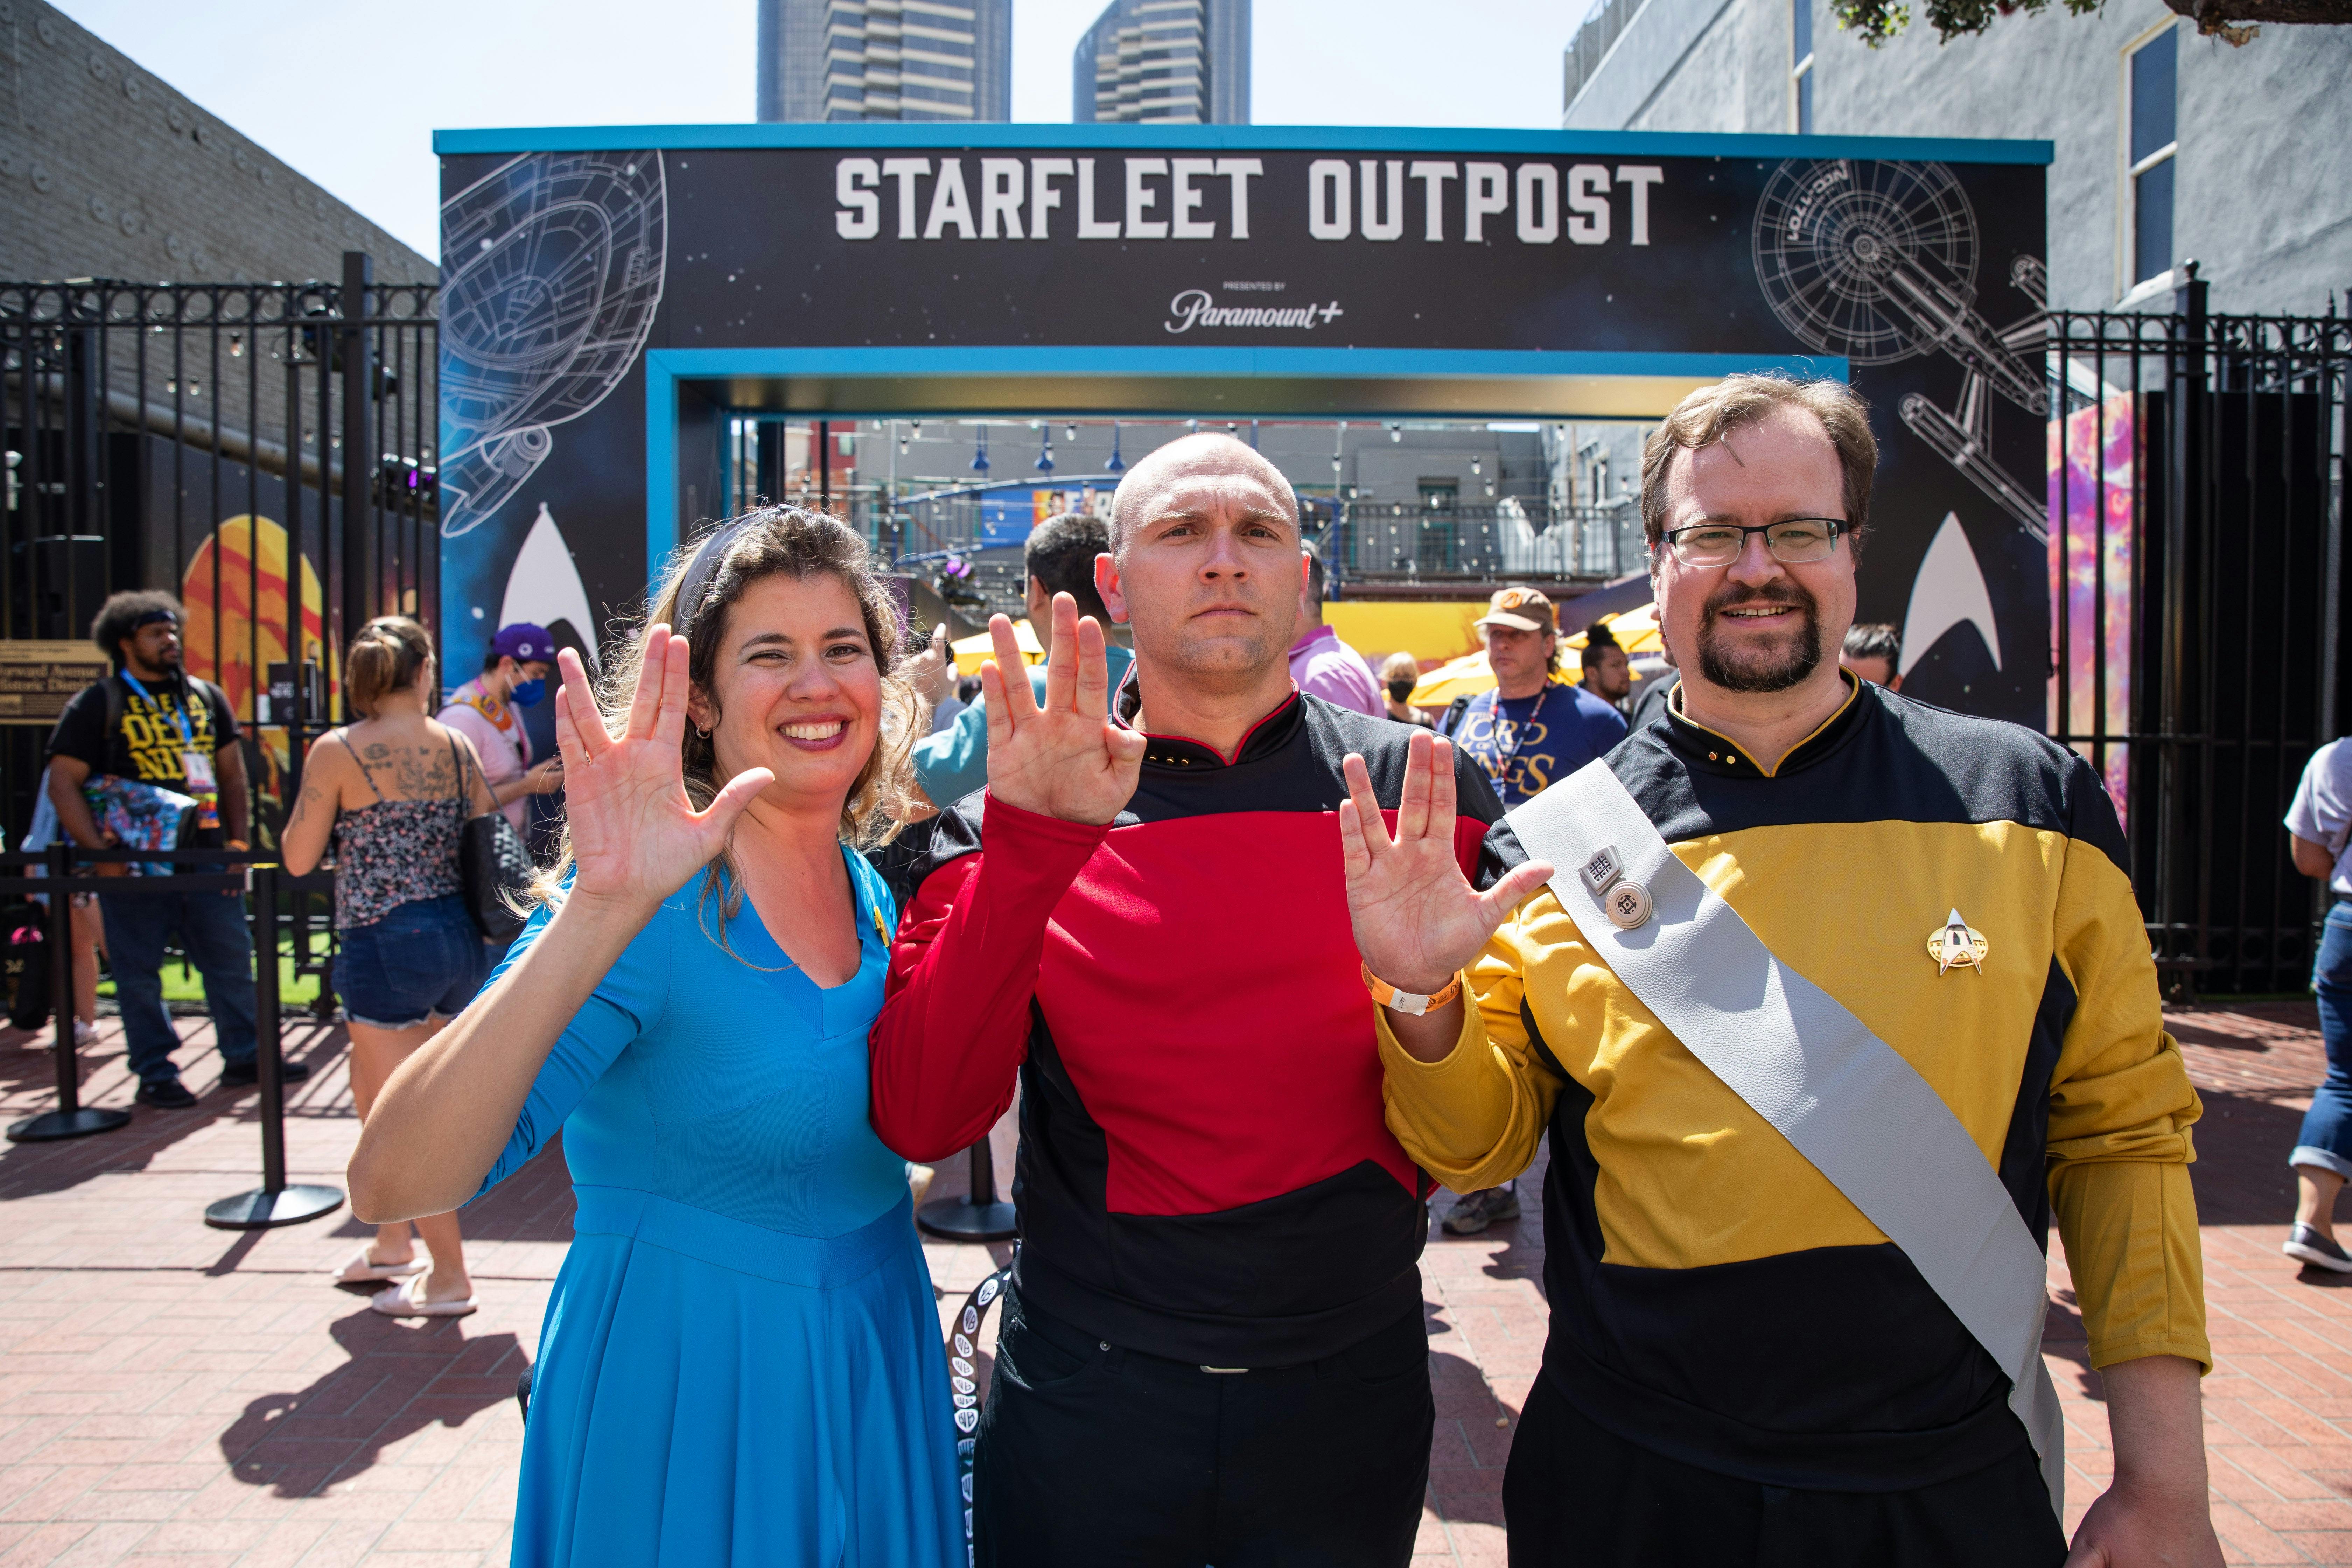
(70, 1119)
(61, 984)
(268, 1023)
(273, 1202)
(978, 1216)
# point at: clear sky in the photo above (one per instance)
(350, 94)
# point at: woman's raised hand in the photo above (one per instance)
(1066, 760)
(636, 838)
(1418, 920)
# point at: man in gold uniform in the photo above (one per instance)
(1742, 1368)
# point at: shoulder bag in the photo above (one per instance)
(493, 864)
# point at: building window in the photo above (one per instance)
(2151, 118)
(1801, 66)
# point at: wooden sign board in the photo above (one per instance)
(38, 679)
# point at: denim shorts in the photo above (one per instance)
(420, 960)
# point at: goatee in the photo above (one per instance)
(1773, 668)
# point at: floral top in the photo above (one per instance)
(396, 851)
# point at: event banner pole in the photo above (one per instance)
(70, 1119)
(274, 1203)
(978, 1216)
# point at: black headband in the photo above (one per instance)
(700, 569)
(151, 617)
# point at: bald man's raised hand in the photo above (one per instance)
(1066, 760)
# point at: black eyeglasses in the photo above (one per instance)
(1793, 542)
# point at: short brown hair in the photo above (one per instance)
(1712, 413)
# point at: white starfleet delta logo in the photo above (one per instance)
(1955, 945)
(1198, 308)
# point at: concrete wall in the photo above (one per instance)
(2265, 192)
(106, 171)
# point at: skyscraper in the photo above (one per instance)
(886, 59)
(1165, 62)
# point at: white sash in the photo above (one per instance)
(1849, 1103)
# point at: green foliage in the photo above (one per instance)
(1876, 21)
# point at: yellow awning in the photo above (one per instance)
(971, 652)
(1427, 629)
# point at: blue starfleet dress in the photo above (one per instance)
(742, 1362)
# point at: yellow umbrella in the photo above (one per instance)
(1467, 677)
(971, 652)
(1636, 632)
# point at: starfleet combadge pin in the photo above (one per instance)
(1954, 944)
(1627, 904)
(1600, 871)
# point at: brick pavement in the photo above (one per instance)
(174, 1393)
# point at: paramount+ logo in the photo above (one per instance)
(1199, 307)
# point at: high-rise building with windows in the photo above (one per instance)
(2168, 146)
(1164, 62)
(886, 59)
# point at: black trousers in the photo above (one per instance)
(1576, 1495)
(1091, 1456)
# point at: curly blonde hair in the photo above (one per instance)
(715, 568)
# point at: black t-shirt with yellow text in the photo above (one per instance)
(144, 742)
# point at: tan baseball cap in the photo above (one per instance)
(1521, 609)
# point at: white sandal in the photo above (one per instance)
(363, 1271)
(406, 1299)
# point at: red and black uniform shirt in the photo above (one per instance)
(1206, 1172)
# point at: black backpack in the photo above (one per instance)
(25, 963)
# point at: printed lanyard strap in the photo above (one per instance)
(1503, 760)
(179, 716)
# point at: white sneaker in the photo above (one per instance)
(85, 1035)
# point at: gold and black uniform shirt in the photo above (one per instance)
(1713, 1297)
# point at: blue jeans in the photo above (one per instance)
(423, 960)
(213, 933)
(2325, 1141)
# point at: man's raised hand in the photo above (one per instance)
(636, 838)
(1066, 760)
(1418, 920)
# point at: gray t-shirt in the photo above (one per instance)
(2322, 811)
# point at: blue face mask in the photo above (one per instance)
(527, 693)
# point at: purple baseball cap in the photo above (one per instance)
(524, 643)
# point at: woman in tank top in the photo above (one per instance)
(394, 792)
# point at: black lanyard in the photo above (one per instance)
(1503, 760)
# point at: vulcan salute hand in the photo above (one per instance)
(1066, 760)
(1418, 920)
(636, 838)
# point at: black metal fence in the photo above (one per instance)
(264, 450)
(2195, 504)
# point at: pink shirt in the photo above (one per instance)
(1325, 667)
(504, 753)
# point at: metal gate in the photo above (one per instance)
(2196, 496)
(263, 450)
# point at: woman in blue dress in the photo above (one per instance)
(742, 1362)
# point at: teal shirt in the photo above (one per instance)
(954, 763)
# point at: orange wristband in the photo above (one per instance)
(1388, 995)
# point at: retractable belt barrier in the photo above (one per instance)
(274, 1203)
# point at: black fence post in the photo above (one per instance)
(978, 1216)
(358, 533)
(273, 1202)
(71, 1119)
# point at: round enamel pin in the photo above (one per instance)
(1627, 904)
(1955, 945)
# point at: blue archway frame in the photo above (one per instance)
(667, 369)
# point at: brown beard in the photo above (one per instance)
(1764, 669)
